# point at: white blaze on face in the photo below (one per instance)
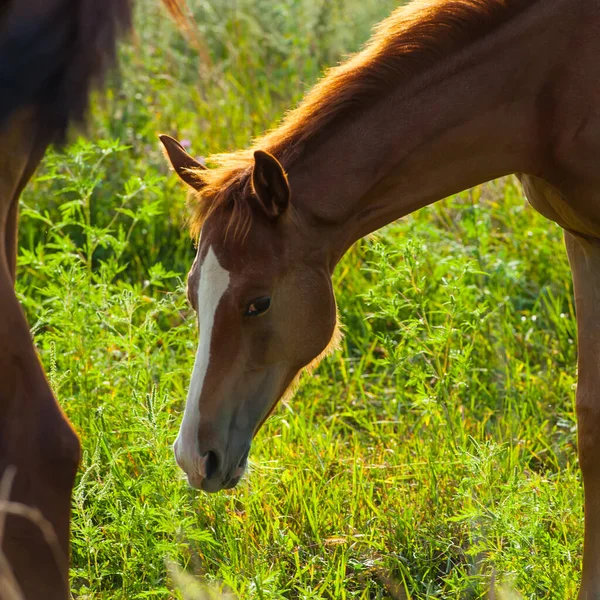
(214, 280)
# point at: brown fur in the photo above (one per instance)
(52, 53)
(412, 38)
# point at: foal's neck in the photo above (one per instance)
(470, 118)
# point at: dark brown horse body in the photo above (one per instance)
(52, 52)
(448, 94)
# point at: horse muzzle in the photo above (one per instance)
(211, 471)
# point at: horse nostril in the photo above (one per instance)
(212, 464)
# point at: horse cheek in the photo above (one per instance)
(314, 321)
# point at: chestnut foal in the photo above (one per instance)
(448, 94)
(51, 53)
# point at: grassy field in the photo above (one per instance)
(433, 454)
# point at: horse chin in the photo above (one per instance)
(237, 475)
(212, 486)
(232, 483)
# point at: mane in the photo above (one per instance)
(53, 53)
(52, 56)
(412, 39)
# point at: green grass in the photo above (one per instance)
(435, 451)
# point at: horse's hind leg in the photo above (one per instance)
(35, 437)
(584, 256)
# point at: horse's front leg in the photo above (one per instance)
(584, 256)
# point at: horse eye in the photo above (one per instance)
(258, 307)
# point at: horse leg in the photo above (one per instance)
(35, 437)
(11, 232)
(38, 441)
(584, 256)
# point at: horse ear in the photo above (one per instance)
(182, 162)
(270, 184)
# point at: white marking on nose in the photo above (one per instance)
(214, 281)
